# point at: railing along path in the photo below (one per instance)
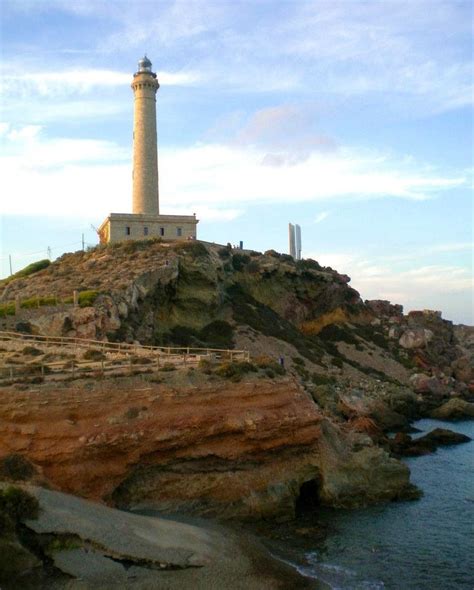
(160, 354)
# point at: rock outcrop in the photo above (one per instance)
(227, 450)
(403, 445)
(454, 409)
(357, 370)
(81, 544)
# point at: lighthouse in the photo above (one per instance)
(145, 198)
(145, 220)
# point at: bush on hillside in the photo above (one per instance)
(308, 264)
(32, 351)
(224, 252)
(38, 302)
(16, 467)
(87, 298)
(270, 365)
(195, 249)
(17, 504)
(217, 334)
(31, 268)
(234, 370)
(93, 355)
(239, 261)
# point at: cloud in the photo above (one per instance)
(321, 216)
(59, 83)
(410, 57)
(287, 131)
(221, 177)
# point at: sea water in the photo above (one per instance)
(427, 544)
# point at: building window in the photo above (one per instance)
(179, 231)
(145, 231)
(162, 231)
(127, 230)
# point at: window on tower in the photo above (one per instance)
(179, 231)
(145, 231)
(162, 231)
(127, 230)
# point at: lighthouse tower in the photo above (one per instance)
(145, 152)
(146, 222)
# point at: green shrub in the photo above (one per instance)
(16, 467)
(272, 253)
(337, 333)
(18, 504)
(7, 309)
(303, 373)
(287, 258)
(217, 334)
(180, 336)
(193, 248)
(205, 366)
(253, 267)
(224, 253)
(38, 301)
(298, 361)
(168, 367)
(64, 543)
(32, 351)
(239, 261)
(308, 264)
(337, 362)
(94, 355)
(371, 334)
(229, 369)
(140, 360)
(270, 364)
(28, 270)
(87, 298)
(319, 379)
(248, 310)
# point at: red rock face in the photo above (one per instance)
(226, 449)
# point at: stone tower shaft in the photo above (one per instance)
(145, 151)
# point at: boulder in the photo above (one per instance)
(443, 436)
(415, 338)
(387, 418)
(402, 445)
(462, 369)
(454, 409)
(99, 547)
(382, 307)
(367, 476)
(423, 383)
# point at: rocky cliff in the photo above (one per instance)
(198, 442)
(222, 449)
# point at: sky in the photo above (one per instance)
(353, 119)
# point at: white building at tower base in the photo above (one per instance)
(119, 227)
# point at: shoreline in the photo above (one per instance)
(251, 560)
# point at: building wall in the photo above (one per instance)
(114, 229)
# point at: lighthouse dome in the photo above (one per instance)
(144, 65)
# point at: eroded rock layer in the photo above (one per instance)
(226, 450)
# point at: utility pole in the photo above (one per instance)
(10, 260)
(83, 242)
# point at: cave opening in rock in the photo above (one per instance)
(308, 498)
